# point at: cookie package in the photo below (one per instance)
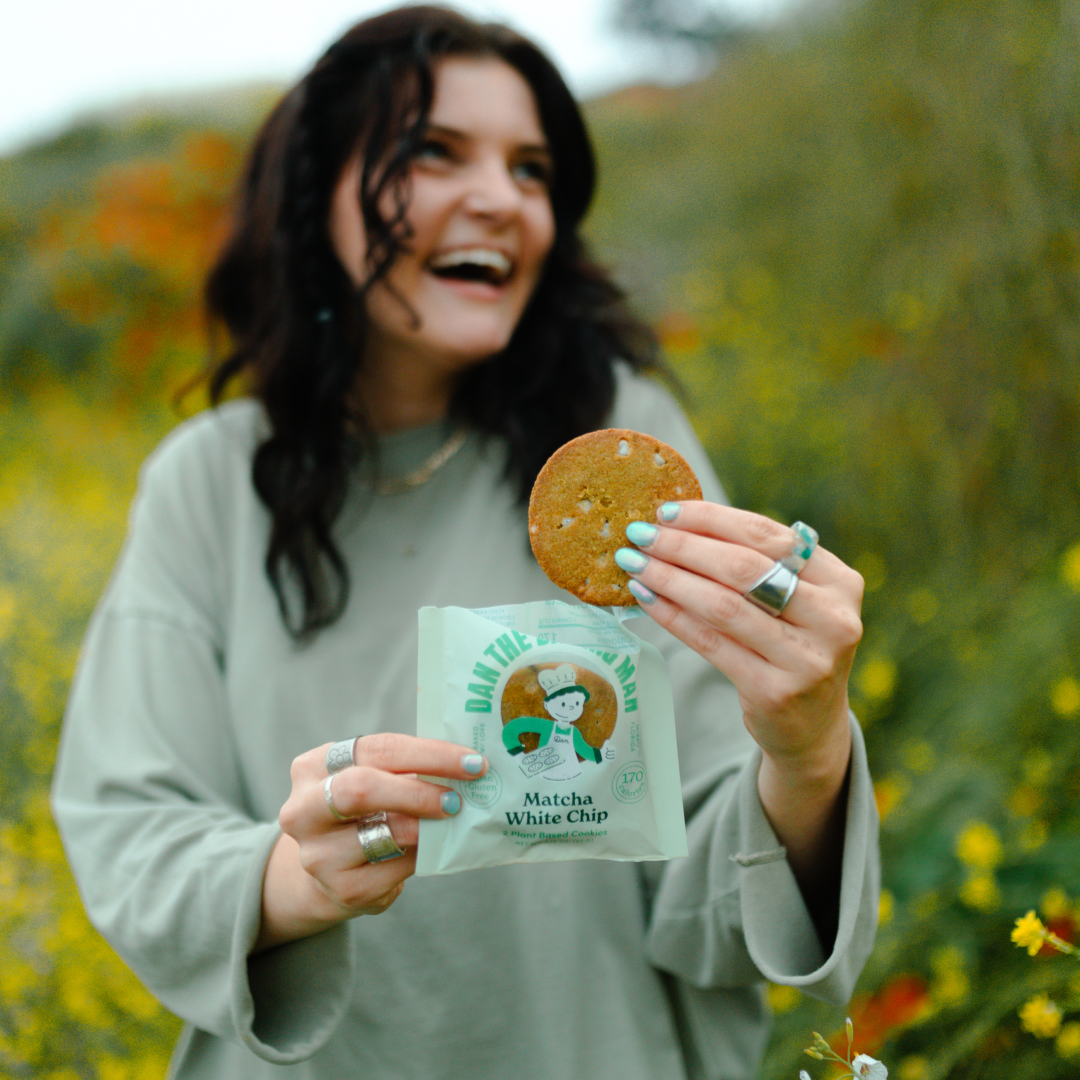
(574, 715)
(586, 494)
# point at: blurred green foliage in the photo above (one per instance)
(860, 239)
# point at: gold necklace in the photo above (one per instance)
(397, 485)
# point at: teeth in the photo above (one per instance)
(496, 260)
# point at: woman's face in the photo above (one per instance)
(481, 218)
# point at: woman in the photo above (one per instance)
(407, 295)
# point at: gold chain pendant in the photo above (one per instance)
(397, 485)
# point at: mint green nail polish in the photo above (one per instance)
(633, 562)
(472, 763)
(451, 802)
(669, 511)
(641, 533)
(642, 593)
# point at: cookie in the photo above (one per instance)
(524, 696)
(587, 493)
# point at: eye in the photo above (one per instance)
(533, 170)
(432, 150)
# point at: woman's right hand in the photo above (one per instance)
(317, 875)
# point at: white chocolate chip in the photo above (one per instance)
(605, 532)
(624, 447)
(585, 506)
(660, 462)
(566, 522)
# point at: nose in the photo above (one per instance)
(492, 191)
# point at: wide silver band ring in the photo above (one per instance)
(340, 755)
(375, 838)
(328, 794)
(774, 589)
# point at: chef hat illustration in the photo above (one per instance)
(560, 680)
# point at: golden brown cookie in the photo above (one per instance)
(587, 493)
(524, 696)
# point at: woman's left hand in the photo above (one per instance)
(791, 672)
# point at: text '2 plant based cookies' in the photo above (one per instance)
(589, 490)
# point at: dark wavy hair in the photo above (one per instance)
(296, 321)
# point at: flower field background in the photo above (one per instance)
(860, 240)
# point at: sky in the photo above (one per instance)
(64, 59)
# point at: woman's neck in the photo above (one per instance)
(399, 389)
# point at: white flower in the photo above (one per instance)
(868, 1068)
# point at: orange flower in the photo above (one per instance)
(879, 1016)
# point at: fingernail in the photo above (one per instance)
(642, 593)
(473, 763)
(669, 511)
(451, 802)
(633, 562)
(641, 533)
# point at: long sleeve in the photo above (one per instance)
(732, 913)
(149, 793)
(191, 699)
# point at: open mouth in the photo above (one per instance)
(484, 265)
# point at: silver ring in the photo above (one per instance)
(376, 838)
(805, 543)
(772, 591)
(340, 755)
(328, 794)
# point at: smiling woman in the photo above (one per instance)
(481, 226)
(415, 325)
(418, 137)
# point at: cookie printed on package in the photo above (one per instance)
(574, 715)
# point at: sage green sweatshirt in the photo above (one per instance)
(190, 701)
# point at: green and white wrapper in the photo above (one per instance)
(567, 799)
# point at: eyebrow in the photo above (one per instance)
(453, 133)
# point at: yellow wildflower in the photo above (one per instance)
(888, 792)
(1065, 696)
(978, 846)
(1070, 568)
(783, 998)
(1054, 903)
(1041, 1017)
(1068, 1040)
(885, 907)
(112, 1068)
(7, 611)
(980, 891)
(951, 983)
(877, 678)
(1029, 933)
(913, 1068)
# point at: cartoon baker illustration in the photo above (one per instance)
(565, 701)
